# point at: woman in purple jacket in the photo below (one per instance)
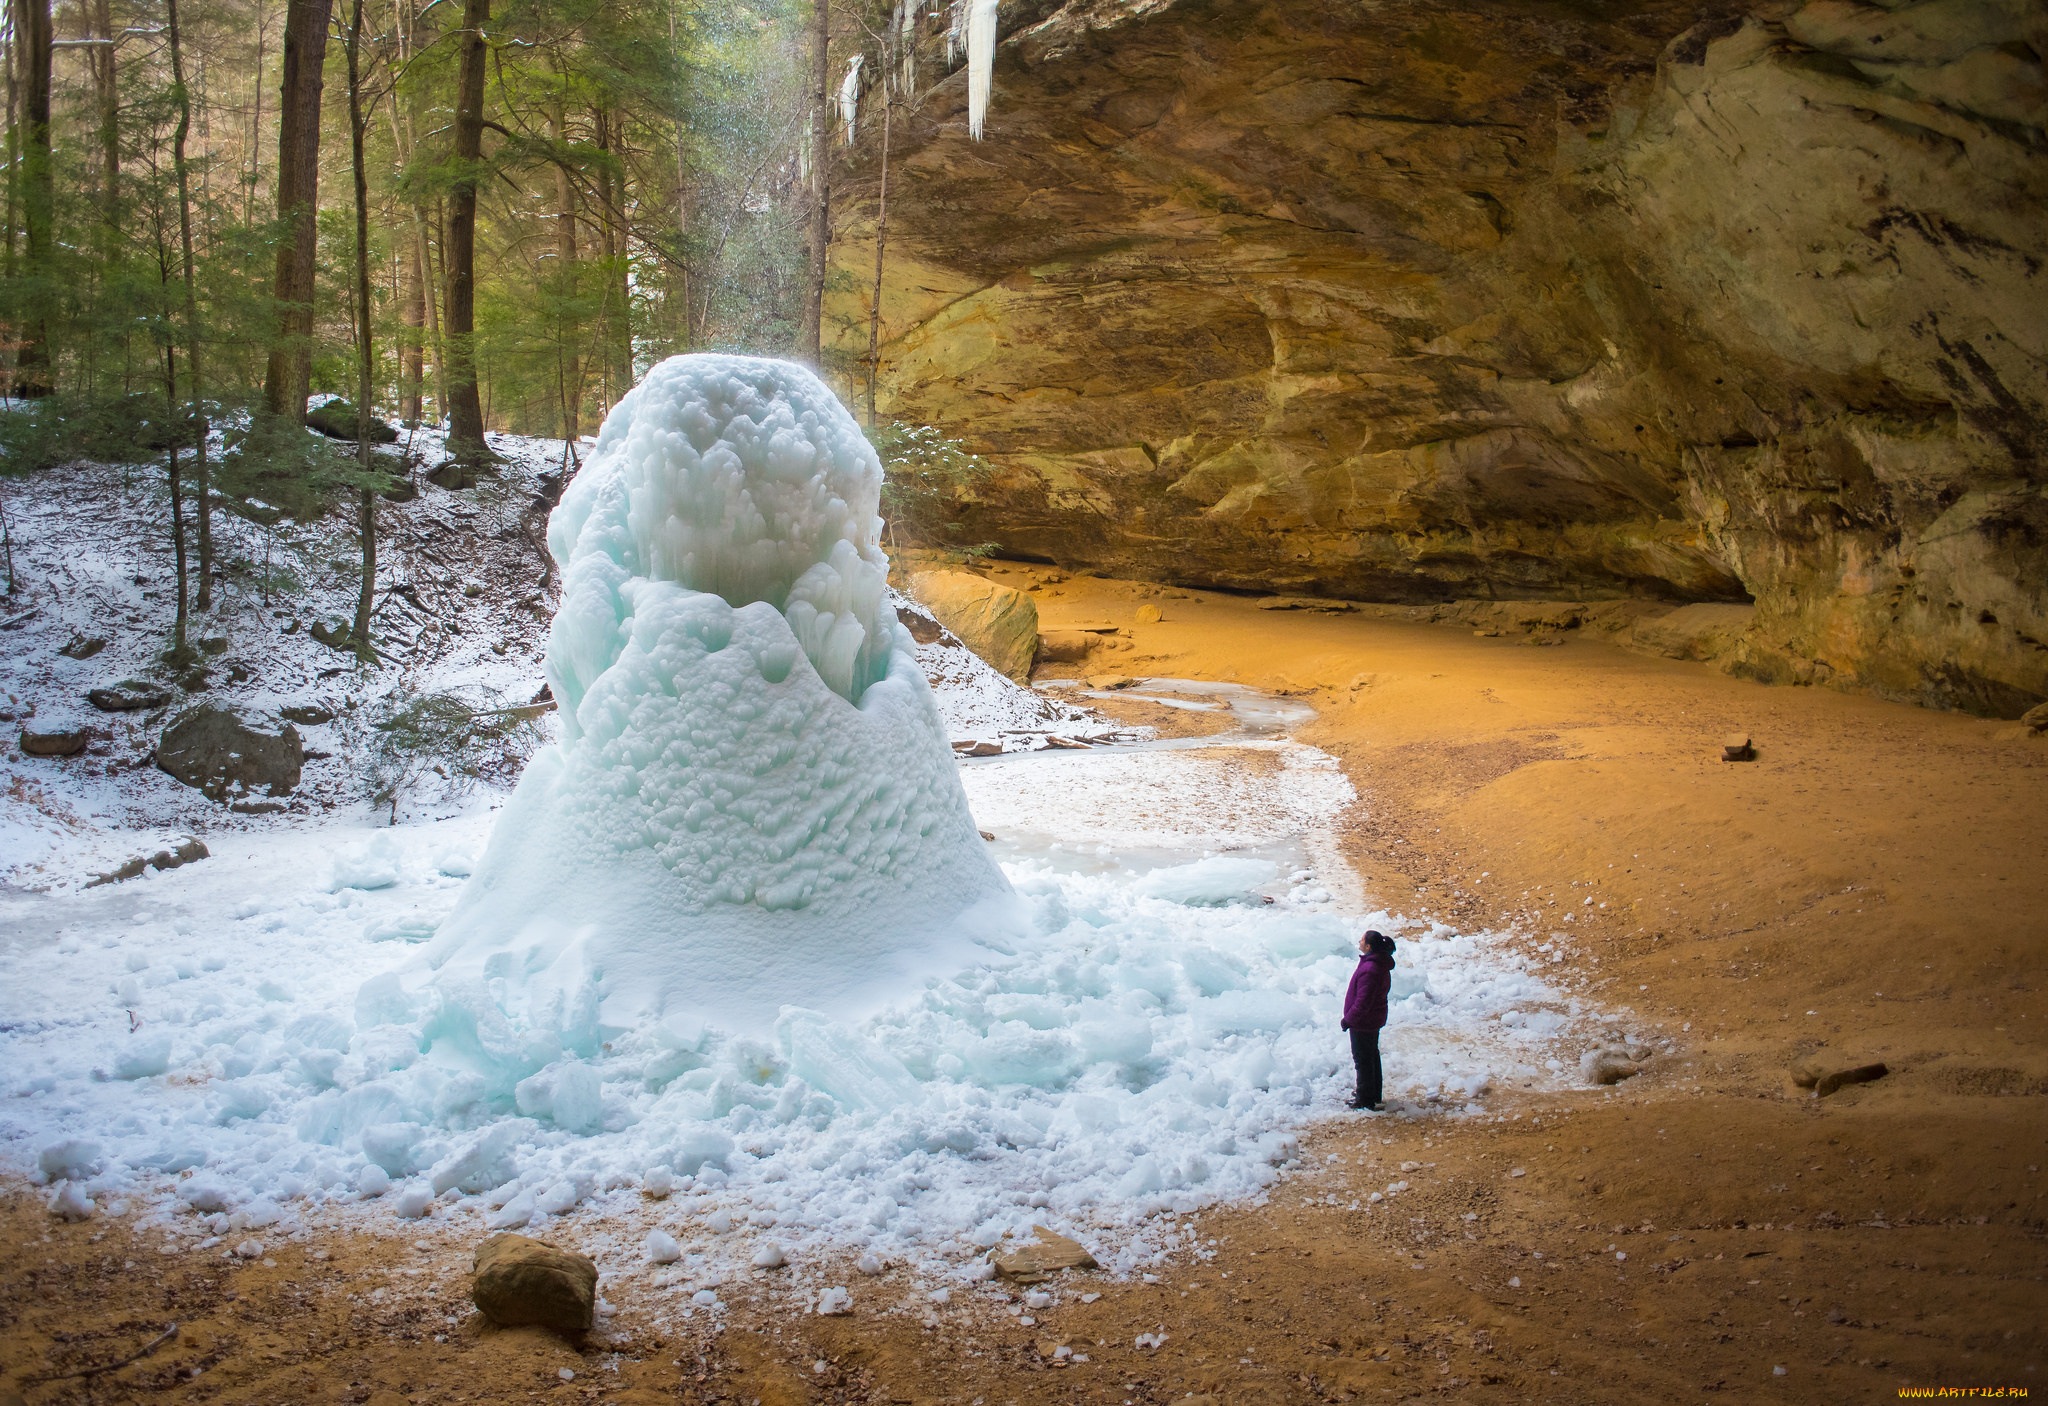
(1365, 1011)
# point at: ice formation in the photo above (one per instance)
(849, 98)
(753, 801)
(981, 59)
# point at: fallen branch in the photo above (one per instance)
(145, 1350)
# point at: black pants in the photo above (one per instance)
(1365, 1053)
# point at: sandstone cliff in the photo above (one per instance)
(1419, 300)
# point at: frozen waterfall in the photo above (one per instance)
(753, 802)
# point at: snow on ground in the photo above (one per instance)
(464, 595)
(234, 1048)
(1145, 1048)
(980, 705)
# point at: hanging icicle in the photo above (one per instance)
(906, 45)
(981, 59)
(849, 97)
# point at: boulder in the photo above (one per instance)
(522, 1281)
(217, 751)
(337, 420)
(2035, 719)
(54, 741)
(999, 623)
(1148, 615)
(128, 696)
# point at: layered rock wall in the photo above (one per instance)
(1415, 301)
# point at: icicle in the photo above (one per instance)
(849, 97)
(906, 44)
(981, 60)
(956, 24)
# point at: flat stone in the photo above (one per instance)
(128, 696)
(524, 1281)
(65, 742)
(82, 647)
(54, 741)
(1107, 683)
(306, 714)
(968, 747)
(1041, 1256)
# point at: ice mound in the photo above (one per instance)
(753, 801)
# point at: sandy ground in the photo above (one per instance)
(1872, 887)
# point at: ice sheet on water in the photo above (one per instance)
(753, 800)
(1220, 879)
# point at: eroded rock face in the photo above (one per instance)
(1422, 301)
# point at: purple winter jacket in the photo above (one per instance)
(1365, 1003)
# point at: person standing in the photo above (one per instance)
(1365, 1012)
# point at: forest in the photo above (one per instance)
(228, 219)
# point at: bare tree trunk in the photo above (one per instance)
(358, 121)
(568, 329)
(681, 274)
(256, 122)
(881, 240)
(33, 372)
(287, 380)
(181, 654)
(413, 373)
(465, 410)
(611, 185)
(194, 384)
(104, 77)
(810, 341)
(421, 307)
(13, 57)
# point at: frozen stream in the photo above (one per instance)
(235, 1048)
